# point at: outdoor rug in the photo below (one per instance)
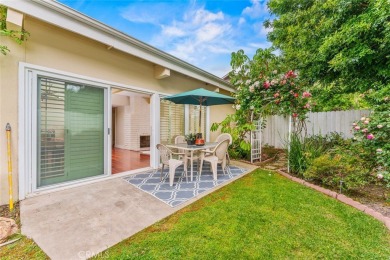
(182, 190)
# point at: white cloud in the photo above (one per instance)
(202, 16)
(256, 10)
(241, 20)
(211, 31)
(202, 37)
(197, 36)
(152, 13)
(173, 31)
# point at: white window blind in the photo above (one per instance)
(171, 121)
(52, 128)
(71, 126)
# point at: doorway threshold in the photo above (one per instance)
(79, 183)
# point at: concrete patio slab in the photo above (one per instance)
(79, 222)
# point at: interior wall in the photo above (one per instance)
(133, 120)
(120, 127)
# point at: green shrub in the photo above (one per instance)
(330, 169)
(304, 150)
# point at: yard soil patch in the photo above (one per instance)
(375, 197)
(14, 214)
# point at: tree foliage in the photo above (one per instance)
(341, 44)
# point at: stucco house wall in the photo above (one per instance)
(52, 47)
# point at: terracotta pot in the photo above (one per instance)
(199, 142)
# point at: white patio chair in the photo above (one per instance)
(180, 139)
(220, 138)
(166, 159)
(217, 156)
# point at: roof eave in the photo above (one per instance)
(62, 16)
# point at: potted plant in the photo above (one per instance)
(199, 140)
(190, 138)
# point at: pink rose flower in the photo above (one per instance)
(266, 84)
(306, 94)
(379, 176)
(357, 127)
(365, 130)
(354, 124)
(290, 74)
(370, 136)
(366, 122)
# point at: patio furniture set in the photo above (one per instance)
(185, 152)
(213, 152)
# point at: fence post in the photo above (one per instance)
(289, 144)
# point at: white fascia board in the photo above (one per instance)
(62, 16)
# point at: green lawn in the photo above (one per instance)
(261, 216)
(23, 249)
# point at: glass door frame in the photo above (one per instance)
(27, 125)
(34, 127)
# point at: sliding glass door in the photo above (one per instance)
(71, 136)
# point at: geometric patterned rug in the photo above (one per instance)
(182, 189)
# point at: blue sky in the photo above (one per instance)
(203, 33)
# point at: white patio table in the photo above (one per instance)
(191, 149)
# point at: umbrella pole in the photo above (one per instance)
(200, 114)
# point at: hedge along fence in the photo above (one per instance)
(277, 127)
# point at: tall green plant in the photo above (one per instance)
(296, 157)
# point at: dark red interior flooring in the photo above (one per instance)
(125, 160)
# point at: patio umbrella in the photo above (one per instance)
(201, 97)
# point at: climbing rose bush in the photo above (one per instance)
(263, 87)
(274, 93)
(372, 134)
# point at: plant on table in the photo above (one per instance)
(190, 138)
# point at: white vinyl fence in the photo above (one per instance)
(276, 131)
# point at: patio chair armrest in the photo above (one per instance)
(178, 153)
